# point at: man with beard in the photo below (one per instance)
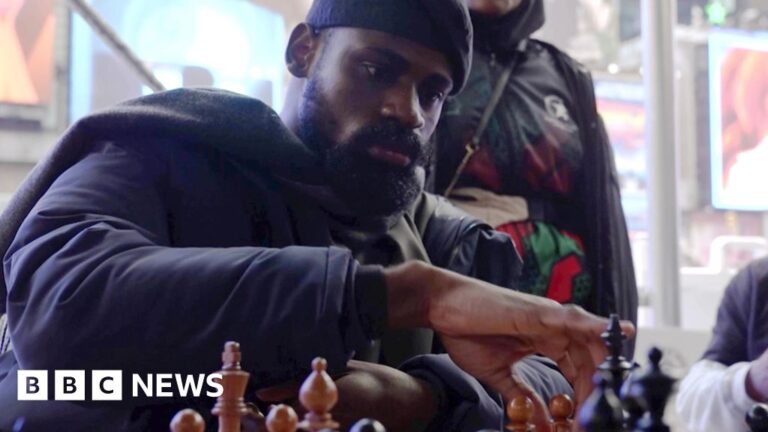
(162, 228)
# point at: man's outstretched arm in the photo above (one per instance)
(486, 329)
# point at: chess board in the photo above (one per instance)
(614, 405)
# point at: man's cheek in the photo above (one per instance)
(428, 130)
(349, 126)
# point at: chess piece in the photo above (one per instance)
(282, 418)
(520, 414)
(601, 411)
(230, 406)
(318, 394)
(368, 425)
(633, 405)
(187, 421)
(757, 418)
(615, 364)
(654, 389)
(561, 409)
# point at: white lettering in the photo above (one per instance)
(69, 385)
(189, 383)
(214, 381)
(32, 385)
(163, 382)
(146, 386)
(107, 385)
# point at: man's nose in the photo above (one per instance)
(403, 105)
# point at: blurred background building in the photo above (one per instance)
(55, 69)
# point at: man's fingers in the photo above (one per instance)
(584, 362)
(567, 367)
(597, 346)
(596, 350)
(577, 363)
(519, 388)
(629, 329)
(571, 320)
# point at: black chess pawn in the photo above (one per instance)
(615, 364)
(653, 389)
(368, 425)
(601, 411)
(757, 418)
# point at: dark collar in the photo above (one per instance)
(502, 35)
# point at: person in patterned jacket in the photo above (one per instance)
(540, 167)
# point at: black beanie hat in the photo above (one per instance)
(443, 25)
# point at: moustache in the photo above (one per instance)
(393, 137)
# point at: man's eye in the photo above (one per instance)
(372, 70)
(379, 73)
(434, 97)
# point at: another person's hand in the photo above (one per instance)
(486, 329)
(757, 379)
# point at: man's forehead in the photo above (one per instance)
(351, 39)
(442, 25)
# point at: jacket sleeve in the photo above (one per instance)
(95, 284)
(713, 394)
(729, 336)
(464, 404)
(714, 397)
(461, 243)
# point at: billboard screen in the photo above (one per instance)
(621, 105)
(27, 30)
(739, 120)
(229, 44)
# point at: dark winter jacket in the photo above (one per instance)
(593, 208)
(741, 331)
(162, 228)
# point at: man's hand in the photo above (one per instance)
(486, 329)
(399, 401)
(757, 379)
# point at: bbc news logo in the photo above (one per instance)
(107, 385)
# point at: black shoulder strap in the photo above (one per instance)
(474, 144)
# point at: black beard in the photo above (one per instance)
(368, 187)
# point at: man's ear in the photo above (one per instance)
(302, 47)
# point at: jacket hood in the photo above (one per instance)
(234, 124)
(503, 34)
